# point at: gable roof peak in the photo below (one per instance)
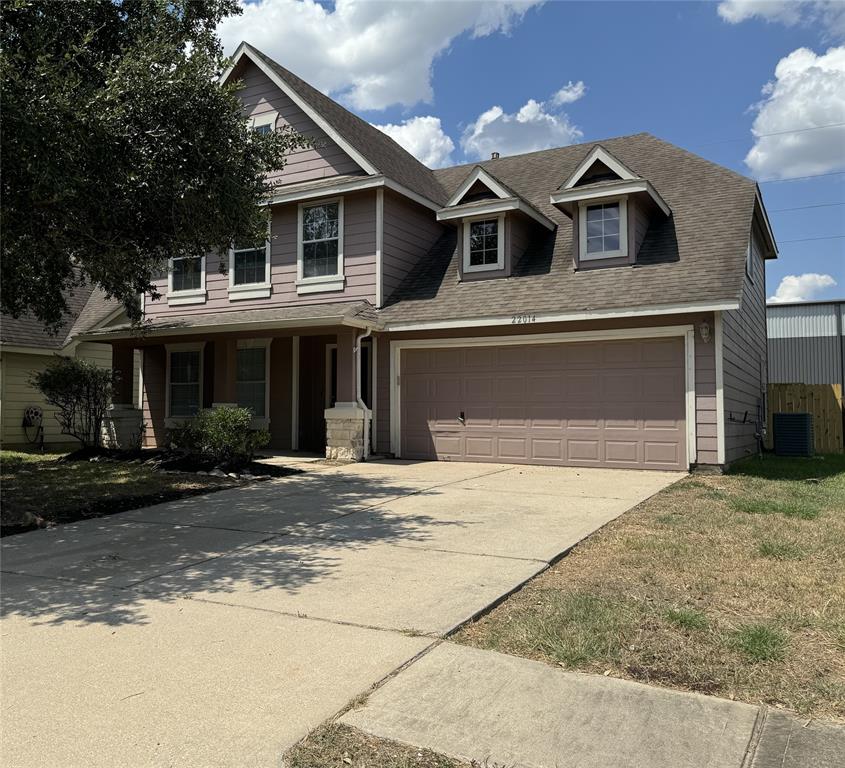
(374, 151)
(598, 154)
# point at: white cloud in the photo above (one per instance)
(529, 129)
(829, 14)
(424, 138)
(801, 287)
(569, 93)
(372, 54)
(808, 90)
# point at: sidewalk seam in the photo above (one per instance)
(754, 738)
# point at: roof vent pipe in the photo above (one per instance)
(494, 155)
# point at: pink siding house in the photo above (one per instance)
(600, 304)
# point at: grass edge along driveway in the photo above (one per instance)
(730, 585)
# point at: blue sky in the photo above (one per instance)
(691, 73)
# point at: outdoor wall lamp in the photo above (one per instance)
(704, 331)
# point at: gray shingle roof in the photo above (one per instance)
(335, 312)
(696, 255)
(382, 151)
(87, 307)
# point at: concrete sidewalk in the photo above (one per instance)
(496, 709)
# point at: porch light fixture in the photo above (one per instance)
(704, 331)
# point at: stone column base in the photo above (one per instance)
(123, 427)
(345, 432)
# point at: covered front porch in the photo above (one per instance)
(310, 385)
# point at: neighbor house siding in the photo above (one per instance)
(325, 159)
(409, 233)
(744, 357)
(806, 343)
(705, 369)
(359, 257)
(16, 394)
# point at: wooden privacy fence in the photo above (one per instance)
(824, 401)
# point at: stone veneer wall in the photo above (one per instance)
(345, 432)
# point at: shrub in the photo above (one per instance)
(224, 435)
(81, 392)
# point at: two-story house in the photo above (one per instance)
(600, 304)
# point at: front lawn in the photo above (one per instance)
(38, 489)
(730, 585)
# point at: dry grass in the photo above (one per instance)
(38, 489)
(732, 585)
(339, 746)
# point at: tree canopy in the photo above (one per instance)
(120, 149)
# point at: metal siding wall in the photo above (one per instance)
(803, 343)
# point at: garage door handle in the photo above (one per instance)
(461, 418)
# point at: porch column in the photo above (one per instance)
(345, 422)
(225, 372)
(123, 423)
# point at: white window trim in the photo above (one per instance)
(258, 423)
(500, 245)
(192, 296)
(199, 346)
(265, 118)
(251, 290)
(323, 282)
(619, 253)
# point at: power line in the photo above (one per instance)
(774, 133)
(807, 239)
(797, 178)
(805, 207)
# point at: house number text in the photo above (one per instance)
(520, 319)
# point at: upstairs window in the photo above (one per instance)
(187, 273)
(320, 247)
(249, 270)
(484, 247)
(603, 230)
(186, 280)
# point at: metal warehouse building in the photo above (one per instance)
(807, 351)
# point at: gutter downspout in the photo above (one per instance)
(357, 351)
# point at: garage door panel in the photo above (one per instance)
(618, 403)
(622, 451)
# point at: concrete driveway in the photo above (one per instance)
(218, 630)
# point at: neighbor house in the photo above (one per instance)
(601, 304)
(27, 348)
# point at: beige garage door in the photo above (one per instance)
(614, 403)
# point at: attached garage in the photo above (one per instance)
(620, 402)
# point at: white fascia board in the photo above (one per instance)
(479, 174)
(596, 314)
(610, 190)
(602, 155)
(495, 207)
(244, 49)
(332, 190)
(345, 187)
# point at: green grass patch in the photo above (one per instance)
(779, 549)
(801, 509)
(686, 618)
(574, 628)
(789, 468)
(760, 642)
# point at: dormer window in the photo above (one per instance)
(603, 229)
(484, 244)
